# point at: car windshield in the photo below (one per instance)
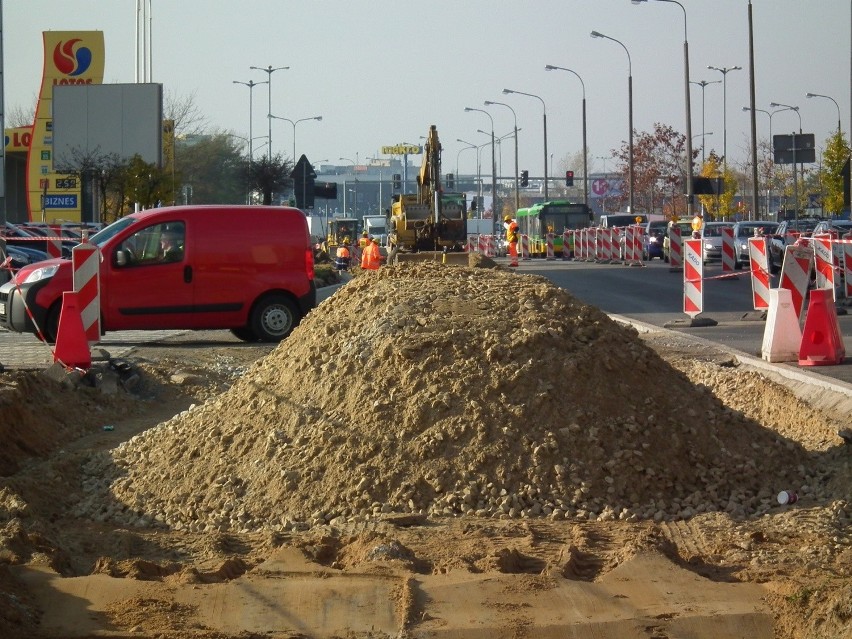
(714, 230)
(747, 230)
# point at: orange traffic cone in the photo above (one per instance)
(822, 343)
(72, 347)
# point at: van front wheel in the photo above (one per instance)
(273, 318)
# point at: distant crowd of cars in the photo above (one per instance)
(27, 243)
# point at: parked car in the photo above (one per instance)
(249, 269)
(836, 228)
(16, 235)
(788, 233)
(652, 239)
(745, 229)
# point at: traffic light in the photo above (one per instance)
(569, 178)
(473, 203)
(525, 178)
(397, 181)
(451, 181)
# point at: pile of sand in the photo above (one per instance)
(444, 391)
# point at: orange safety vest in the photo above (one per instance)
(370, 258)
(512, 232)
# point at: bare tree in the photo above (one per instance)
(18, 116)
(184, 112)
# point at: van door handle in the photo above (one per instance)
(187, 274)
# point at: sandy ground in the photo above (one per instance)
(108, 527)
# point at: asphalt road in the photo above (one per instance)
(653, 294)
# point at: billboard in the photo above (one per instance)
(70, 58)
(121, 120)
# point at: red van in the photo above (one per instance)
(249, 269)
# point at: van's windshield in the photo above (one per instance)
(102, 237)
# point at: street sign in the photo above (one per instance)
(794, 149)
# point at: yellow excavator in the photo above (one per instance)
(431, 219)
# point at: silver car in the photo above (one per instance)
(746, 229)
(711, 241)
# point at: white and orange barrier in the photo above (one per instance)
(675, 248)
(85, 260)
(729, 259)
(758, 257)
(693, 278)
(796, 274)
(824, 262)
(549, 252)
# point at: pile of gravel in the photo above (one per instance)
(446, 391)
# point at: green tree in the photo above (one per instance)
(831, 173)
(268, 176)
(144, 184)
(213, 166)
(719, 207)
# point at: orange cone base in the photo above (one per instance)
(822, 342)
(72, 347)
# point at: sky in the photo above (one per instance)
(380, 72)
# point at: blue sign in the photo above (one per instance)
(60, 201)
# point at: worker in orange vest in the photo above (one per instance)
(363, 241)
(370, 256)
(341, 259)
(511, 239)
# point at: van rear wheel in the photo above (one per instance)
(273, 318)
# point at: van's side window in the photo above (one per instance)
(157, 244)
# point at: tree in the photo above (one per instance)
(212, 164)
(831, 173)
(659, 160)
(268, 175)
(718, 207)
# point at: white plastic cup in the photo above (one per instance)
(787, 497)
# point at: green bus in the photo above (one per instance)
(554, 217)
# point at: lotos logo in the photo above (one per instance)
(69, 61)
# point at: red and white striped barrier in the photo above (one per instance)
(847, 269)
(525, 247)
(609, 239)
(599, 244)
(490, 246)
(85, 261)
(590, 245)
(54, 247)
(633, 245)
(823, 262)
(693, 278)
(728, 251)
(758, 257)
(471, 245)
(796, 274)
(675, 248)
(550, 255)
(566, 245)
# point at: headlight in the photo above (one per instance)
(43, 273)
(708, 246)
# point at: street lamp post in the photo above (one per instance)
(703, 84)
(787, 107)
(544, 120)
(772, 163)
(493, 167)
(724, 71)
(315, 117)
(551, 67)
(269, 71)
(515, 117)
(596, 34)
(355, 191)
(465, 148)
(251, 84)
(827, 97)
(689, 191)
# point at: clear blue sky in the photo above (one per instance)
(381, 72)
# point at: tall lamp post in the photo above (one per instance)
(544, 120)
(515, 117)
(703, 84)
(772, 163)
(275, 117)
(493, 167)
(787, 107)
(551, 67)
(251, 84)
(269, 71)
(827, 97)
(596, 34)
(355, 208)
(725, 71)
(464, 148)
(690, 205)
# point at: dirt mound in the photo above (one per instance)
(447, 390)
